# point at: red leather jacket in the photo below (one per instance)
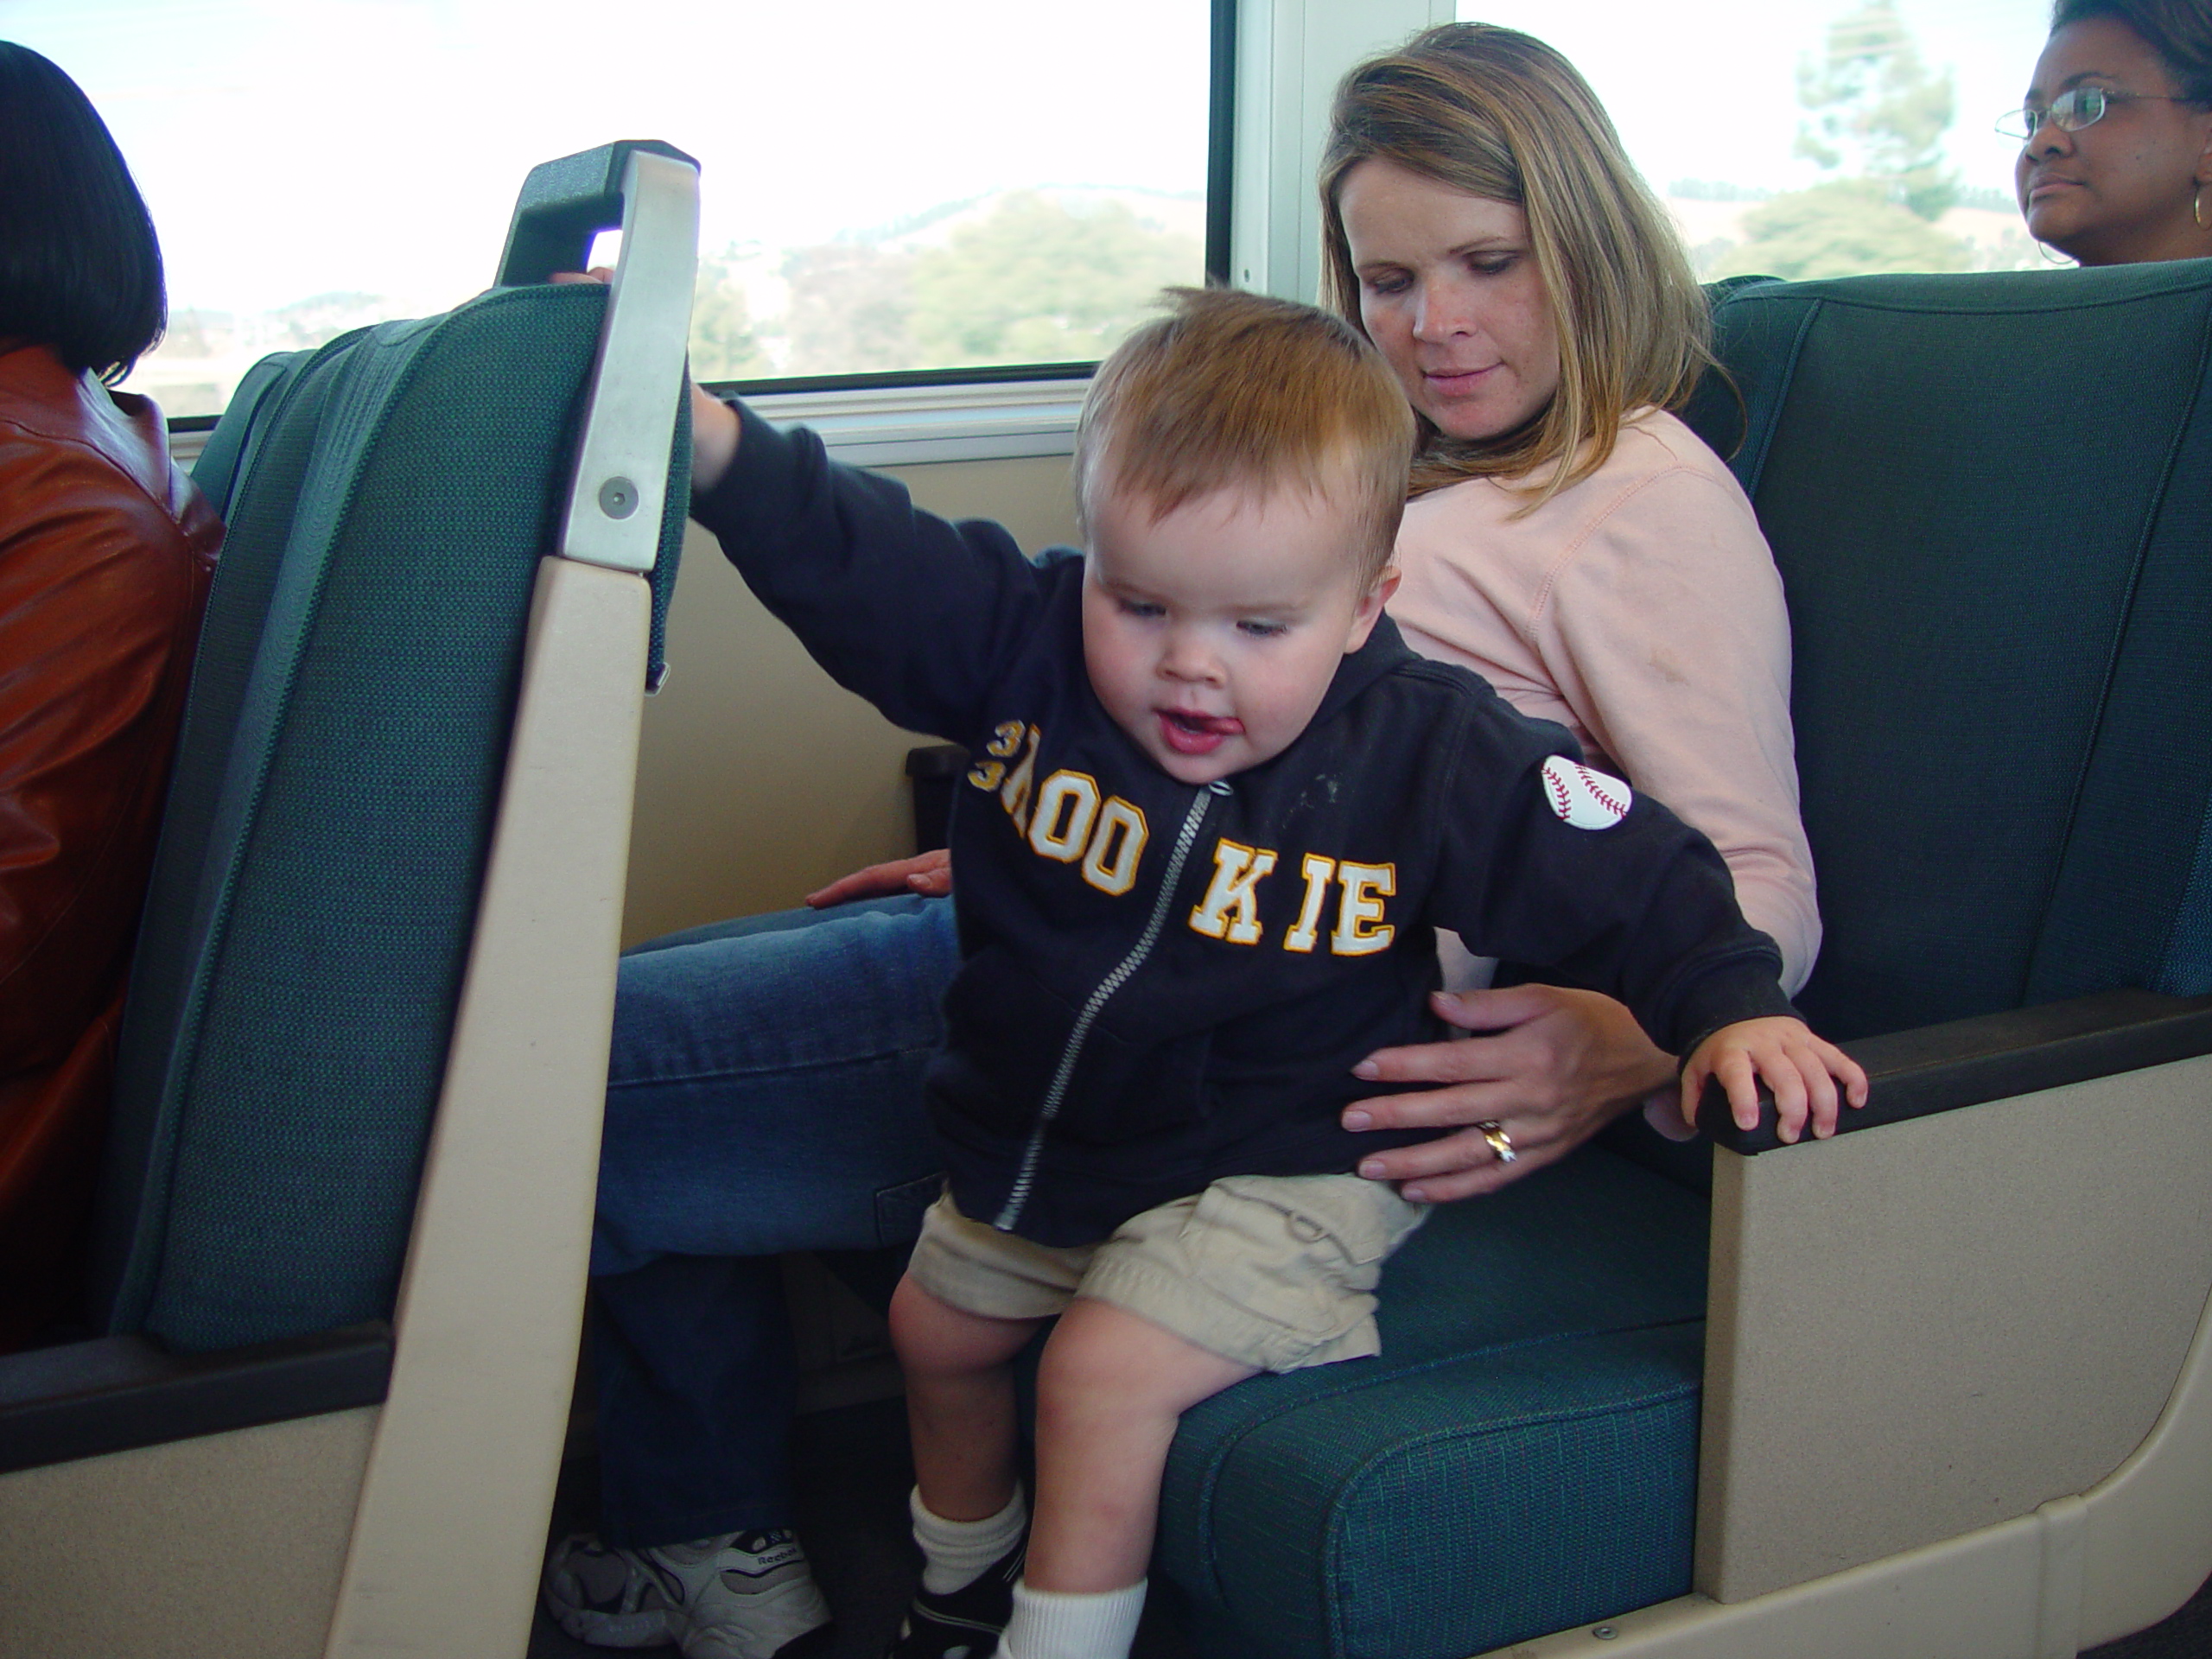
(106, 554)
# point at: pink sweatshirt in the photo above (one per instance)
(1642, 610)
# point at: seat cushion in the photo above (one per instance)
(1522, 1457)
(313, 898)
(1990, 498)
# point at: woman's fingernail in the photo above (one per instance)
(1368, 1070)
(1355, 1119)
(1413, 1195)
(1372, 1169)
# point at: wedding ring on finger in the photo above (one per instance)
(1500, 1141)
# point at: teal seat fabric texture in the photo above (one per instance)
(1522, 1455)
(1991, 501)
(316, 888)
(1990, 498)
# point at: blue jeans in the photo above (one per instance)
(764, 1095)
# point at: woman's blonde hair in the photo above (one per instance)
(1500, 115)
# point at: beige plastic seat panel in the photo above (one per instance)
(1925, 1330)
(446, 1549)
(225, 1546)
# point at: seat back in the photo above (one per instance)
(1990, 498)
(314, 898)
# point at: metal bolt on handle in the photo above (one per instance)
(618, 498)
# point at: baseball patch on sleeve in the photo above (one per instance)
(1583, 797)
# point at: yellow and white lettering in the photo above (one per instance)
(1066, 807)
(1318, 872)
(1013, 795)
(1237, 870)
(1111, 866)
(1365, 885)
(1005, 738)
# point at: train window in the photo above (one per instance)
(1824, 139)
(887, 187)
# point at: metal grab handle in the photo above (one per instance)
(565, 203)
(651, 190)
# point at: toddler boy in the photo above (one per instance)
(1217, 810)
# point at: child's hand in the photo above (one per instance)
(1801, 1070)
(714, 428)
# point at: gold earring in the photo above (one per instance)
(2196, 207)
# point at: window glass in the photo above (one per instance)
(886, 186)
(1827, 139)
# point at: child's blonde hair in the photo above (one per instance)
(1232, 389)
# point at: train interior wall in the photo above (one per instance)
(760, 780)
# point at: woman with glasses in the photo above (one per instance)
(1572, 540)
(2116, 157)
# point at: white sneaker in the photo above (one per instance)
(748, 1595)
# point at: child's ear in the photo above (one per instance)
(1370, 608)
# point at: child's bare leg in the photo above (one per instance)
(1112, 1387)
(960, 1407)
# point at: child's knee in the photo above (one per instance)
(1079, 1357)
(932, 1338)
(922, 1327)
(1105, 1358)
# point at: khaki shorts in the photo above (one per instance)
(1271, 1271)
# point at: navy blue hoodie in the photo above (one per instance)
(1164, 984)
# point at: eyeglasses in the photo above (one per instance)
(2070, 111)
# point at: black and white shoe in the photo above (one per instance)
(962, 1623)
(748, 1595)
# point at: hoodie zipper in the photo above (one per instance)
(1018, 1195)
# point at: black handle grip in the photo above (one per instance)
(565, 204)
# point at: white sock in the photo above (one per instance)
(955, 1552)
(1049, 1624)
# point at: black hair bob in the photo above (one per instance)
(80, 269)
(2180, 31)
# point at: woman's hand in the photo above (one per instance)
(928, 873)
(714, 423)
(1552, 1066)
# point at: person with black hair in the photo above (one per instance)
(2116, 155)
(106, 552)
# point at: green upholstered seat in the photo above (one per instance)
(1991, 501)
(315, 889)
(1523, 1453)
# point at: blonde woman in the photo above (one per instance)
(1570, 540)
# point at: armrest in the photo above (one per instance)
(85, 1399)
(1984, 1312)
(1994, 1056)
